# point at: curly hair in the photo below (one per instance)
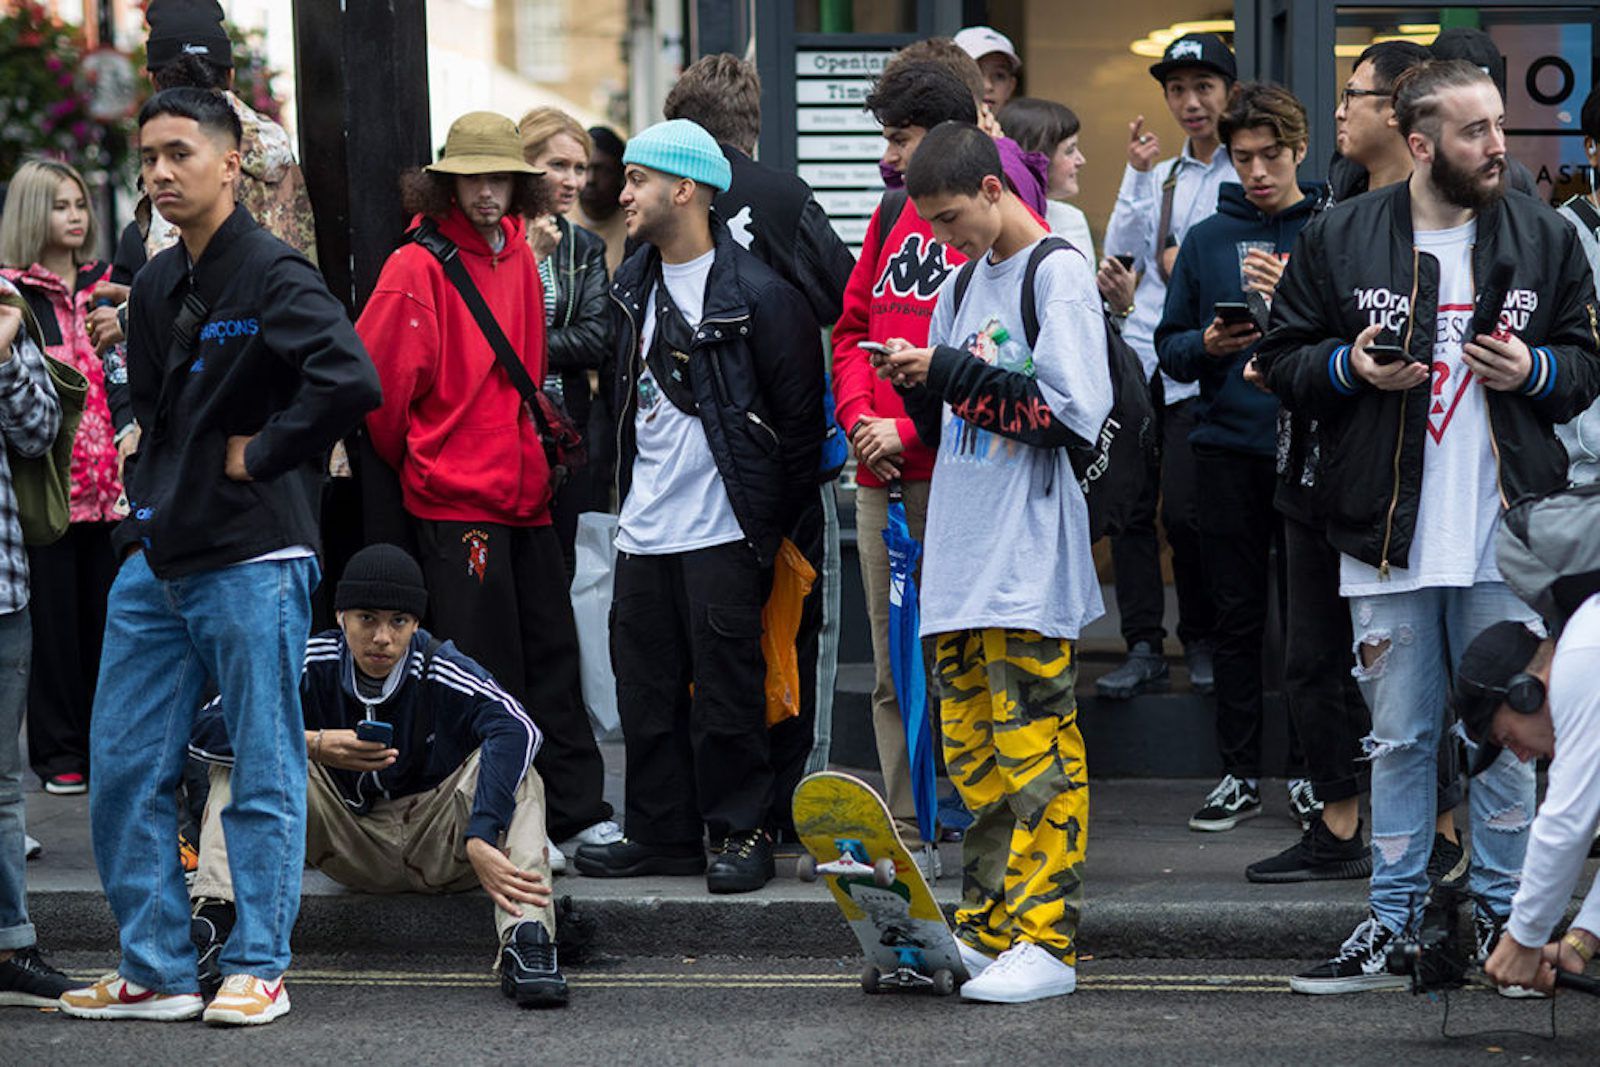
(423, 192)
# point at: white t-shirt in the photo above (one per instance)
(1460, 502)
(1067, 221)
(1558, 842)
(676, 502)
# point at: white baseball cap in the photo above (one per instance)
(979, 41)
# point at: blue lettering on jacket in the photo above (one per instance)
(223, 329)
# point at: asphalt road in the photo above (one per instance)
(773, 1011)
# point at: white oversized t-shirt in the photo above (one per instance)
(1454, 540)
(676, 500)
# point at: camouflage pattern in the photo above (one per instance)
(271, 188)
(1010, 732)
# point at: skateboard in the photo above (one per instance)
(852, 844)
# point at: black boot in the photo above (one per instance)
(742, 863)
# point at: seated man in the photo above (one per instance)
(389, 816)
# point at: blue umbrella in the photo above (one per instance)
(905, 660)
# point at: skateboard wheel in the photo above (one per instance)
(871, 980)
(805, 868)
(883, 872)
(944, 982)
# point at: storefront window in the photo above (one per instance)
(855, 16)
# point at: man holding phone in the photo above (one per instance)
(421, 777)
(1419, 456)
(1207, 335)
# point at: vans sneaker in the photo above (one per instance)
(27, 981)
(1230, 803)
(246, 1000)
(1303, 802)
(975, 960)
(114, 997)
(1360, 966)
(1022, 973)
(1486, 930)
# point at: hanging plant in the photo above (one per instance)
(44, 96)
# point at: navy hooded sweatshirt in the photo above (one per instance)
(1234, 414)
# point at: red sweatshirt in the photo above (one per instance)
(891, 294)
(452, 423)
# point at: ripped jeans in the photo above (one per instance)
(1419, 637)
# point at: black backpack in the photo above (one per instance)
(1110, 471)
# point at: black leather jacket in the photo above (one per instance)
(756, 379)
(578, 339)
(1358, 264)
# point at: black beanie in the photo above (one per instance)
(382, 578)
(186, 27)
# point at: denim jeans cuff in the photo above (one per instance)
(15, 937)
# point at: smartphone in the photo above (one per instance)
(1232, 313)
(1126, 261)
(1383, 355)
(374, 730)
(877, 348)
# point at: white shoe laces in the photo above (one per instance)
(1228, 787)
(1361, 939)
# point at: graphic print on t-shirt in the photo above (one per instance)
(994, 345)
(1447, 393)
(918, 269)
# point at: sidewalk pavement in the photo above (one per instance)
(1153, 889)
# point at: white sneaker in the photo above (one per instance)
(246, 1000)
(1022, 973)
(558, 859)
(604, 832)
(932, 870)
(114, 997)
(31, 847)
(974, 960)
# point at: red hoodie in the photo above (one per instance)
(452, 423)
(891, 294)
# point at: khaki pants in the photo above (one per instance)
(413, 844)
(872, 511)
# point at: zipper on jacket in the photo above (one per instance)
(632, 398)
(1400, 438)
(755, 420)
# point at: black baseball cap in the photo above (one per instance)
(1474, 46)
(1501, 651)
(1196, 50)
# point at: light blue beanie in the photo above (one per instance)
(683, 149)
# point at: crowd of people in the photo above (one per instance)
(670, 332)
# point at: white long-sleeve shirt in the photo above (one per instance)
(1132, 232)
(1562, 831)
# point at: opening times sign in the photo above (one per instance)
(838, 141)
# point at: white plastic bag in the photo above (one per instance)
(596, 563)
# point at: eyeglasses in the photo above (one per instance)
(1349, 94)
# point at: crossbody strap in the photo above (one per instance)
(1169, 190)
(1585, 210)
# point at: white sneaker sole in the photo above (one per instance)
(1366, 983)
(168, 1010)
(1216, 826)
(14, 999)
(226, 1016)
(1056, 988)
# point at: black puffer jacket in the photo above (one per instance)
(578, 338)
(756, 378)
(1357, 264)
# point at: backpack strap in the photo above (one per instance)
(1030, 308)
(1169, 190)
(422, 721)
(1584, 208)
(963, 279)
(449, 256)
(889, 209)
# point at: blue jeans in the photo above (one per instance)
(16, 651)
(1414, 641)
(246, 627)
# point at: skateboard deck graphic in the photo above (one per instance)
(853, 846)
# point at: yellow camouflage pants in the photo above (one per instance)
(1009, 720)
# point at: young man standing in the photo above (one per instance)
(244, 370)
(1264, 133)
(1371, 152)
(891, 294)
(473, 469)
(1156, 206)
(719, 396)
(1427, 428)
(449, 802)
(1008, 581)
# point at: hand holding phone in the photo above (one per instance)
(1384, 355)
(1233, 313)
(371, 730)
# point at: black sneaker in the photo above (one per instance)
(1303, 803)
(1202, 669)
(1317, 857)
(27, 981)
(1486, 930)
(210, 923)
(1144, 671)
(628, 859)
(1448, 864)
(1232, 801)
(742, 863)
(1361, 964)
(528, 971)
